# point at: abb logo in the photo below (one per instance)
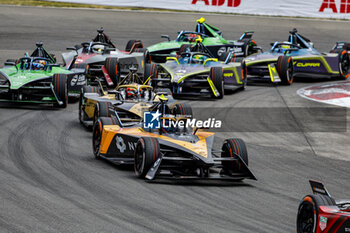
(344, 6)
(230, 3)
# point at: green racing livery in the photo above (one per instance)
(212, 39)
(39, 79)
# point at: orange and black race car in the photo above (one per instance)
(320, 213)
(168, 146)
(130, 99)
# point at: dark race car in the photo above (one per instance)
(39, 79)
(297, 58)
(320, 213)
(105, 62)
(196, 72)
(212, 39)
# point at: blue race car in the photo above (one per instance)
(297, 58)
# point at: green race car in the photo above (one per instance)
(39, 79)
(212, 39)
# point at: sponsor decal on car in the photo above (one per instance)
(120, 144)
(323, 223)
(307, 64)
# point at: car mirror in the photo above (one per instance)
(71, 48)
(166, 37)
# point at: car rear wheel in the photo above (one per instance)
(82, 115)
(113, 69)
(244, 75)
(133, 44)
(146, 154)
(97, 133)
(183, 110)
(59, 82)
(285, 69)
(344, 64)
(234, 148)
(102, 109)
(308, 212)
(216, 74)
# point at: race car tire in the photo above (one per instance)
(102, 110)
(233, 148)
(217, 76)
(285, 69)
(131, 43)
(223, 56)
(84, 90)
(113, 69)
(344, 64)
(59, 82)
(151, 72)
(309, 210)
(184, 48)
(247, 47)
(97, 133)
(147, 153)
(182, 110)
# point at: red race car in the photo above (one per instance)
(320, 213)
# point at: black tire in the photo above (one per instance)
(147, 153)
(233, 148)
(59, 82)
(344, 64)
(217, 76)
(97, 133)
(182, 110)
(151, 71)
(184, 48)
(224, 56)
(248, 47)
(113, 69)
(308, 212)
(102, 109)
(285, 69)
(85, 89)
(131, 43)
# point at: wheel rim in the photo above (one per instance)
(306, 218)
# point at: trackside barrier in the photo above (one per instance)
(304, 8)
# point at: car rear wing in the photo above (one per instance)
(247, 35)
(318, 188)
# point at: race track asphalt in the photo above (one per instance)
(50, 181)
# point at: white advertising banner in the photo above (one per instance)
(304, 8)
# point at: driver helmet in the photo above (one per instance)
(198, 59)
(285, 47)
(98, 48)
(131, 93)
(39, 64)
